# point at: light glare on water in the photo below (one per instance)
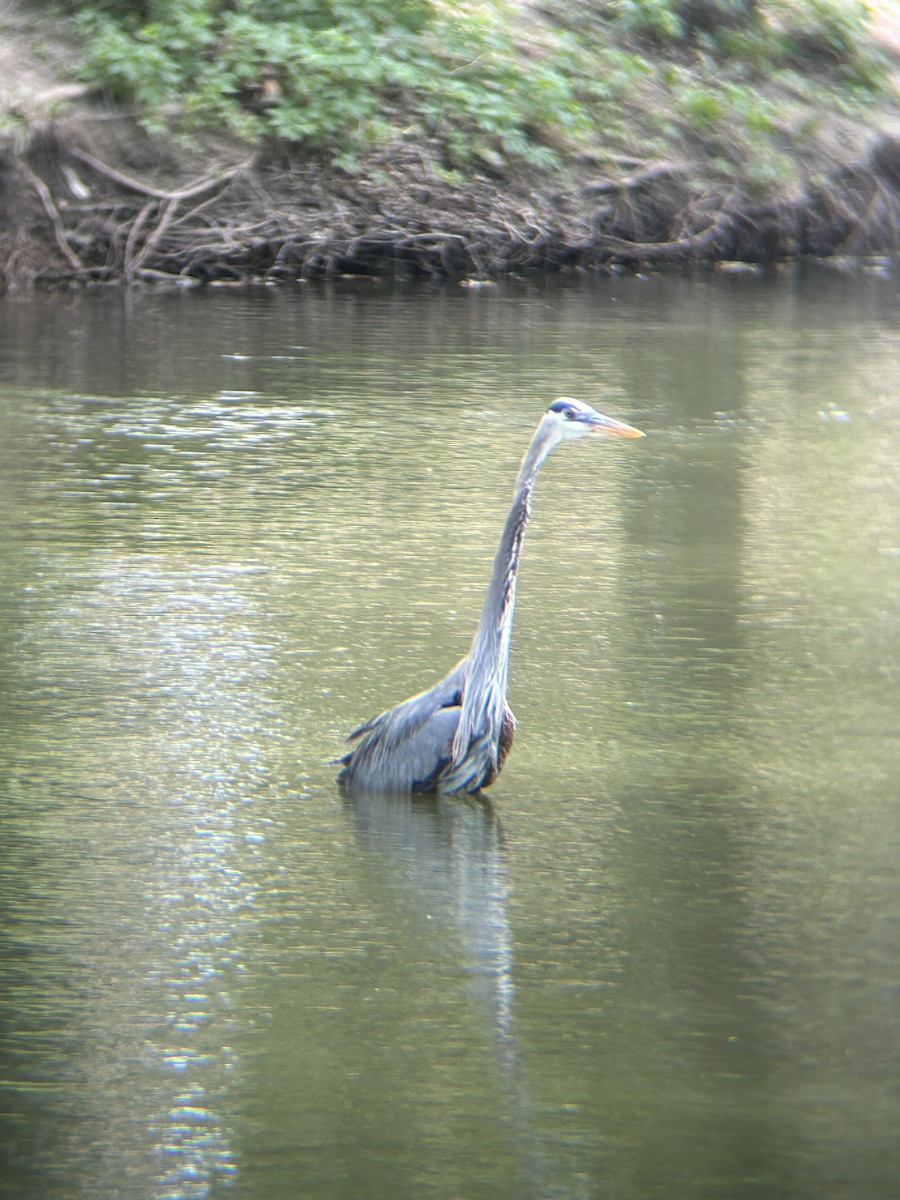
(663, 959)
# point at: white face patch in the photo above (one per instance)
(570, 428)
(567, 415)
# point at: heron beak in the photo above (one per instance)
(597, 423)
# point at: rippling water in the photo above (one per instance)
(664, 959)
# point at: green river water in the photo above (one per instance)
(664, 960)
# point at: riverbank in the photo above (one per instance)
(90, 196)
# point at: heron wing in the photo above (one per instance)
(406, 748)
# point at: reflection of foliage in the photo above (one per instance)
(488, 82)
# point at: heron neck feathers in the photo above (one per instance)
(490, 647)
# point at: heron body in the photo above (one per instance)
(455, 736)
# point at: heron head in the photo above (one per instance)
(570, 418)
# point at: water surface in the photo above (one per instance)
(663, 961)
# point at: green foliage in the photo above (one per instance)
(336, 75)
(831, 34)
(744, 83)
(659, 20)
(341, 76)
(483, 97)
(701, 106)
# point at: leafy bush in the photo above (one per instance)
(831, 34)
(655, 19)
(339, 76)
(336, 75)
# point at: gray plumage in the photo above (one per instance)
(455, 736)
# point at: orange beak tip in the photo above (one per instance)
(620, 429)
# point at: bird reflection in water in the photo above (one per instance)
(452, 851)
(446, 857)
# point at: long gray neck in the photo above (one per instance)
(489, 656)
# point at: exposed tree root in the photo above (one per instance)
(255, 220)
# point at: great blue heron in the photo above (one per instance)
(455, 736)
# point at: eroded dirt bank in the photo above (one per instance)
(86, 196)
(136, 212)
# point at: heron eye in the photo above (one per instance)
(571, 414)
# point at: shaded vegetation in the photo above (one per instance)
(491, 83)
(335, 76)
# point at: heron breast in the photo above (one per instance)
(507, 736)
(504, 745)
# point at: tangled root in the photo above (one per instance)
(72, 216)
